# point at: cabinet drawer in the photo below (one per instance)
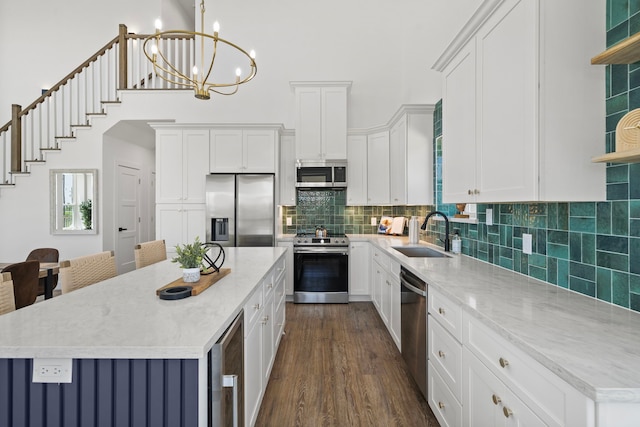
(280, 291)
(443, 403)
(552, 399)
(252, 309)
(278, 269)
(382, 258)
(447, 313)
(445, 353)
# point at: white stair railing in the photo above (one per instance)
(82, 94)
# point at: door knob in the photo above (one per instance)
(122, 229)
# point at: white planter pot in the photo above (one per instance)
(191, 275)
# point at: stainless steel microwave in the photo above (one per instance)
(321, 173)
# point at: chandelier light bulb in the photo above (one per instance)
(154, 49)
(252, 54)
(216, 27)
(238, 72)
(195, 70)
(158, 24)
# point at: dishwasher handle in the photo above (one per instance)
(413, 283)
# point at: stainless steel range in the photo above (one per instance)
(321, 268)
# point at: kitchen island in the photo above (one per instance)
(587, 343)
(136, 359)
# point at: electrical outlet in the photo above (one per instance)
(374, 220)
(289, 221)
(52, 370)
(526, 243)
(489, 213)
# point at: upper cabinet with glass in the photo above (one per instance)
(73, 195)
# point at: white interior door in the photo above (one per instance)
(127, 217)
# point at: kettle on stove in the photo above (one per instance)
(321, 231)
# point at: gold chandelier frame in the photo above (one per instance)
(167, 71)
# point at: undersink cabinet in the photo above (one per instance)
(522, 114)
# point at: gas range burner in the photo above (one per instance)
(332, 239)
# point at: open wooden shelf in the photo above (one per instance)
(628, 156)
(625, 52)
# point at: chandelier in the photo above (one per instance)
(199, 78)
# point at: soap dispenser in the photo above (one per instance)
(456, 244)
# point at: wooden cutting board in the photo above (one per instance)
(201, 285)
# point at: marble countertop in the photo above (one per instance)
(123, 318)
(591, 344)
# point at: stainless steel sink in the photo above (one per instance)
(420, 252)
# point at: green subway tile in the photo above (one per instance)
(540, 241)
(634, 228)
(634, 7)
(552, 271)
(563, 273)
(613, 244)
(618, 12)
(634, 209)
(563, 216)
(585, 287)
(620, 288)
(634, 255)
(634, 283)
(506, 263)
(617, 191)
(583, 271)
(603, 284)
(585, 225)
(589, 249)
(634, 302)
(619, 82)
(582, 209)
(607, 79)
(620, 218)
(575, 247)
(557, 251)
(537, 261)
(613, 261)
(617, 174)
(537, 272)
(617, 104)
(603, 218)
(552, 216)
(558, 237)
(634, 181)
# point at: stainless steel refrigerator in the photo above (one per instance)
(240, 209)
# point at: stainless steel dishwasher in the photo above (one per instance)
(413, 318)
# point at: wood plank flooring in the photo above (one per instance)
(338, 366)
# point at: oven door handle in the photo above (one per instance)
(341, 251)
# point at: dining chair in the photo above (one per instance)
(86, 270)
(148, 253)
(25, 281)
(45, 255)
(7, 299)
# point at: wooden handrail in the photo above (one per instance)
(16, 139)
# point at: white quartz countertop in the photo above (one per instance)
(123, 318)
(591, 344)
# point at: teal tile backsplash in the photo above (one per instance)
(589, 247)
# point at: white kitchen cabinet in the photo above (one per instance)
(321, 119)
(386, 291)
(236, 150)
(359, 269)
(287, 172)
(263, 322)
(288, 266)
(528, 392)
(357, 170)
(378, 168)
(510, 132)
(411, 156)
(182, 163)
(180, 223)
(395, 326)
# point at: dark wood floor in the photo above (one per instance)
(338, 366)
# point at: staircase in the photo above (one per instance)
(83, 95)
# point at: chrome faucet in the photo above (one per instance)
(446, 241)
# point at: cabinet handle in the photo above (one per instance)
(441, 310)
(232, 381)
(270, 285)
(476, 191)
(507, 412)
(496, 399)
(265, 320)
(469, 192)
(504, 362)
(440, 405)
(256, 306)
(440, 353)
(388, 284)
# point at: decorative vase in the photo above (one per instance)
(190, 275)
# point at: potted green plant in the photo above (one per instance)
(189, 256)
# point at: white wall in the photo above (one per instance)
(386, 48)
